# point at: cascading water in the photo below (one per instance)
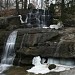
(38, 16)
(43, 22)
(9, 52)
(29, 20)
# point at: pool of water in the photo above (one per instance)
(16, 70)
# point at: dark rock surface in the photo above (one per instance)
(3, 38)
(3, 22)
(45, 43)
(22, 71)
(10, 22)
(52, 66)
(33, 42)
(37, 41)
(41, 42)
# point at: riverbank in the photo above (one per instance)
(22, 71)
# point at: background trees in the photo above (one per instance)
(68, 5)
(9, 4)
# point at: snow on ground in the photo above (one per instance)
(43, 68)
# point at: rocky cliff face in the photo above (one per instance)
(9, 23)
(45, 43)
(3, 38)
(37, 41)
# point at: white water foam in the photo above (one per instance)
(9, 52)
(4, 67)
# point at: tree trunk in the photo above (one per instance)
(25, 4)
(17, 7)
(22, 4)
(62, 10)
(7, 4)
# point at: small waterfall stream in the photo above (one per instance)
(9, 52)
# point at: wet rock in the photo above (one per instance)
(16, 71)
(66, 45)
(35, 30)
(10, 22)
(22, 70)
(45, 43)
(52, 66)
(23, 60)
(13, 20)
(33, 37)
(65, 49)
(27, 54)
(14, 23)
(26, 61)
(3, 22)
(3, 37)
(44, 51)
(33, 42)
(69, 22)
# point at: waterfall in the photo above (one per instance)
(9, 52)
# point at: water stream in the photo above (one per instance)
(9, 52)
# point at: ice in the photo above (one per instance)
(39, 68)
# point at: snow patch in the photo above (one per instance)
(43, 68)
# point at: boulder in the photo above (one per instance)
(3, 38)
(43, 51)
(22, 70)
(9, 22)
(52, 66)
(3, 22)
(35, 37)
(45, 43)
(33, 42)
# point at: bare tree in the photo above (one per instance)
(17, 6)
(62, 9)
(25, 4)
(1, 5)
